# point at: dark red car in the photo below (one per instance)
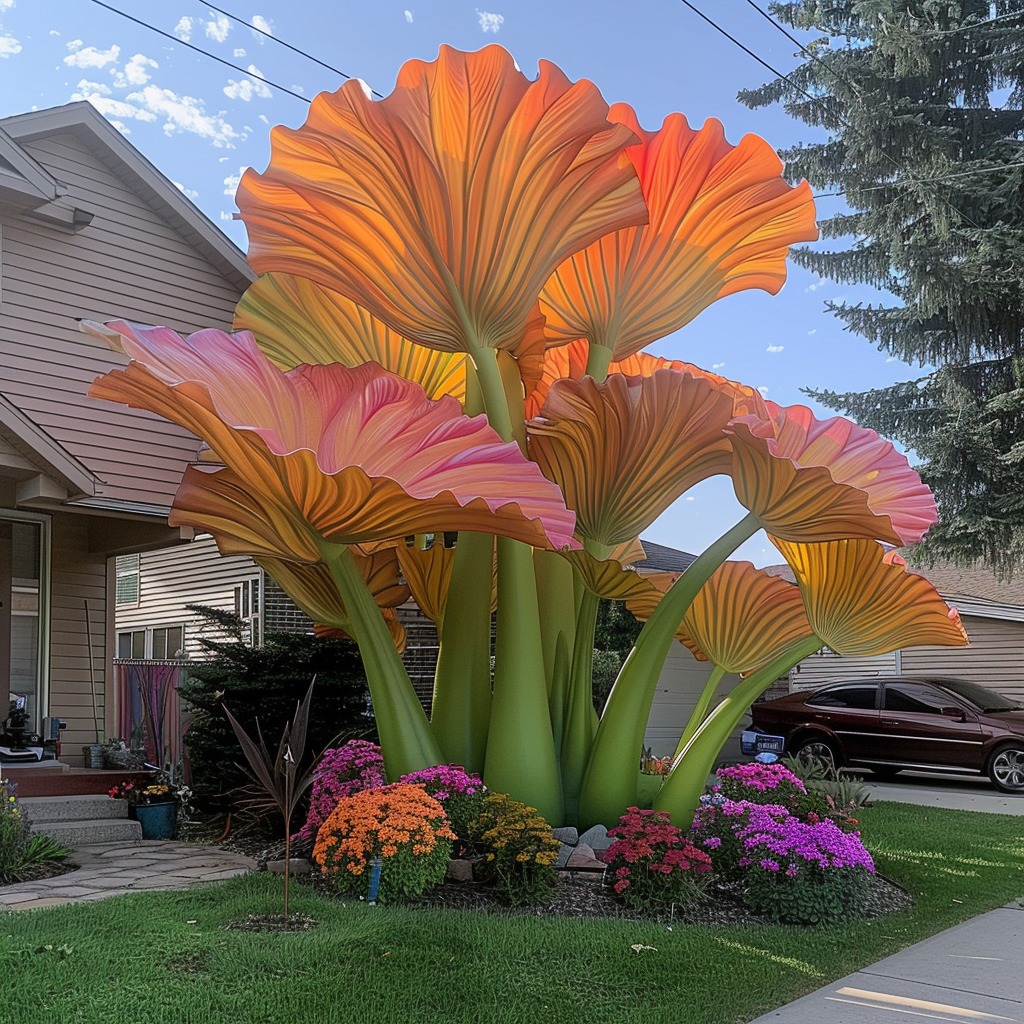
(890, 724)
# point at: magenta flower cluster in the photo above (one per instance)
(652, 859)
(776, 840)
(445, 780)
(342, 771)
(762, 777)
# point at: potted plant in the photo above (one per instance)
(154, 804)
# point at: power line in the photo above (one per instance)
(923, 181)
(814, 99)
(198, 49)
(286, 45)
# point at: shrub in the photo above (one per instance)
(340, 772)
(520, 849)
(760, 783)
(794, 871)
(461, 794)
(402, 825)
(653, 864)
(20, 851)
(266, 683)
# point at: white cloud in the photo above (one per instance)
(239, 52)
(815, 285)
(183, 30)
(691, 498)
(186, 114)
(224, 215)
(717, 366)
(408, 16)
(763, 390)
(9, 46)
(232, 180)
(218, 28)
(54, 32)
(115, 111)
(264, 119)
(135, 71)
(190, 192)
(120, 126)
(6, 5)
(258, 21)
(811, 334)
(774, 348)
(90, 57)
(74, 44)
(490, 22)
(891, 359)
(247, 88)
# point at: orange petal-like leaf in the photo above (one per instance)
(622, 451)
(327, 453)
(609, 578)
(569, 362)
(722, 219)
(814, 480)
(861, 600)
(428, 573)
(445, 207)
(296, 321)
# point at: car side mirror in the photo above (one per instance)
(951, 712)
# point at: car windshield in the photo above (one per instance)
(980, 696)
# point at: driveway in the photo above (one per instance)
(950, 791)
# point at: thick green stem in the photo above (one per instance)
(556, 600)
(680, 795)
(598, 359)
(492, 389)
(580, 724)
(402, 726)
(609, 786)
(520, 745)
(461, 709)
(700, 711)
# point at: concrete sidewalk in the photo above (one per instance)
(110, 869)
(970, 974)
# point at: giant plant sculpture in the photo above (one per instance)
(457, 285)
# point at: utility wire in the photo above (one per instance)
(923, 181)
(198, 49)
(814, 99)
(287, 46)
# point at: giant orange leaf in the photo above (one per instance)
(861, 600)
(326, 453)
(428, 573)
(813, 480)
(740, 619)
(721, 220)
(622, 451)
(570, 362)
(297, 321)
(445, 207)
(609, 578)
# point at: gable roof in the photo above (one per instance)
(663, 559)
(83, 120)
(23, 180)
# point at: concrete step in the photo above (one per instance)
(47, 809)
(98, 830)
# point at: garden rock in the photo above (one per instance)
(298, 866)
(568, 835)
(459, 871)
(583, 859)
(596, 838)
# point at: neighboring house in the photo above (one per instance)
(88, 229)
(993, 615)
(155, 587)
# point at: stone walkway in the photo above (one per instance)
(110, 869)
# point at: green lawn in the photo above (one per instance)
(164, 959)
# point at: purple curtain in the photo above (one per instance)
(149, 708)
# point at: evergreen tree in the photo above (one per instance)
(923, 105)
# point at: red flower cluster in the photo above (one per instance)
(653, 862)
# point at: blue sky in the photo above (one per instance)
(201, 123)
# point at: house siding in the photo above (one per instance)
(127, 264)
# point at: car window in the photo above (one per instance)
(915, 697)
(980, 696)
(859, 697)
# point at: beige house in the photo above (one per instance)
(88, 229)
(993, 615)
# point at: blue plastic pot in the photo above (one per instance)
(158, 821)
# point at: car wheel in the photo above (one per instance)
(1006, 768)
(819, 752)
